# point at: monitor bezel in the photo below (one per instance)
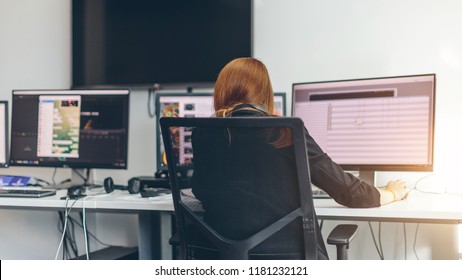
(5, 164)
(387, 167)
(74, 165)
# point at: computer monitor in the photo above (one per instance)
(374, 124)
(78, 129)
(3, 133)
(191, 105)
(179, 105)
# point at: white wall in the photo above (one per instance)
(299, 41)
(35, 53)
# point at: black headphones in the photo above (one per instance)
(133, 186)
(259, 108)
(247, 106)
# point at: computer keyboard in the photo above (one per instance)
(26, 193)
(318, 193)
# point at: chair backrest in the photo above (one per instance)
(217, 153)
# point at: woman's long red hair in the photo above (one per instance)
(243, 81)
(246, 81)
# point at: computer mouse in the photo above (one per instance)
(75, 192)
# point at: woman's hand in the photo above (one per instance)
(395, 190)
(398, 188)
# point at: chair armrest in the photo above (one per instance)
(341, 237)
(342, 234)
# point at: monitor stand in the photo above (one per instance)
(79, 177)
(82, 177)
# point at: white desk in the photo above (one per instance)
(149, 212)
(433, 209)
(96, 199)
(417, 208)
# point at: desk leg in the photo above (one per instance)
(154, 232)
(149, 235)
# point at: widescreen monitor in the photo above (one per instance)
(374, 124)
(78, 129)
(191, 105)
(4, 134)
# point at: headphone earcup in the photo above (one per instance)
(134, 185)
(108, 185)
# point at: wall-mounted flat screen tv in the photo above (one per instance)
(145, 42)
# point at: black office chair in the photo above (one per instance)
(218, 142)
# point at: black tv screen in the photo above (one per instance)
(138, 42)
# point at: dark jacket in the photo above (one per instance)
(242, 193)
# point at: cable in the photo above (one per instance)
(85, 178)
(53, 176)
(88, 176)
(69, 239)
(80, 175)
(423, 178)
(415, 241)
(61, 230)
(67, 212)
(67, 219)
(68, 242)
(405, 241)
(65, 181)
(380, 239)
(84, 222)
(41, 181)
(427, 191)
(375, 243)
(64, 232)
(418, 181)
